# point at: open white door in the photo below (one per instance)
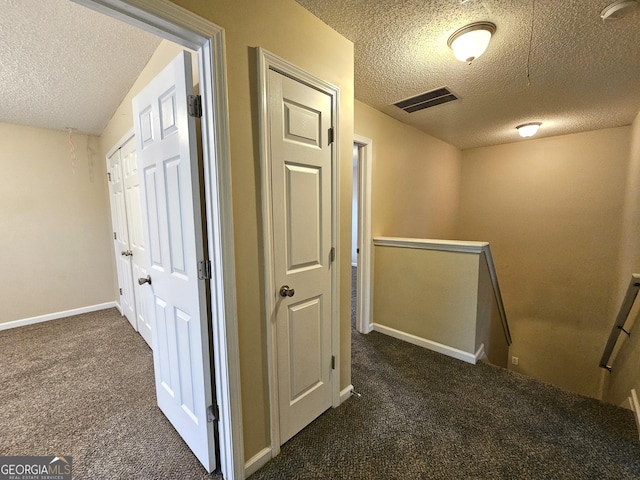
(171, 214)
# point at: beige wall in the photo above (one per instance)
(562, 215)
(489, 328)
(552, 210)
(439, 296)
(286, 29)
(55, 254)
(427, 293)
(415, 178)
(626, 367)
(625, 363)
(630, 246)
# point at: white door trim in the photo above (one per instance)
(268, 61)
(172, 22)
(130, 133)
(365, 259)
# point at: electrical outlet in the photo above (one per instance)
(515, 360)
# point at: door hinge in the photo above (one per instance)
(109, 176)
(331, 136)
(115, 236)
(332, 254)
(204, 269)
(120, 291)
(194, 105)
(213, 413)
(357, 250)
(333, 362)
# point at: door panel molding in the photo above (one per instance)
(269, 62)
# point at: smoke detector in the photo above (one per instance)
(618, 9)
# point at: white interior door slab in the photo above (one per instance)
(301, 159)
(131, 181)
(166, 146)
(121, 238)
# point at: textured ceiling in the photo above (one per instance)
(65, 66)
(584, 74)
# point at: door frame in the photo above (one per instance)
(268, 61)
(169, 21)
(364, 282)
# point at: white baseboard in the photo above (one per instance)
(430, 345)
(256, 462)
(635, 406)
(54, 316)
(480, 353)
(346, 393)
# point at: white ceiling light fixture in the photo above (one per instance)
(528, 129)
(618, 9)
(470, 41)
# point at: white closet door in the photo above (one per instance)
(300, 118)
(131, 182)
(121, 237)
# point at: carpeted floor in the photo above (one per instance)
(83, 386)
(423, 415)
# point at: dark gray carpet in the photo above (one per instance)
(83, 386)
(423, 415)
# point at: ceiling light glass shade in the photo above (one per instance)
(470, 41)
(528, 129)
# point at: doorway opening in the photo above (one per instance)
(362, 252)
(181, 26)
(355, 233)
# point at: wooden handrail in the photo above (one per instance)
(496, 292)
(621, 319)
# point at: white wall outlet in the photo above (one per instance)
(515, 360)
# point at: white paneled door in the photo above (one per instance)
(121, 237)
(166, 145)
(301, 162)
(131, 181)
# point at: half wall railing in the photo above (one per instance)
(621, 320)
(441, 294)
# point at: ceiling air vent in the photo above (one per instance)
(426, 100)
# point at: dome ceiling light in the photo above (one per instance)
(470, 41)
(618, 10)
(528, 129)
